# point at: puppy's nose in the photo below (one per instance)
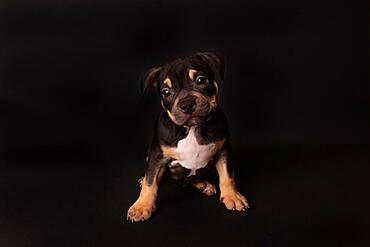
(187, 105)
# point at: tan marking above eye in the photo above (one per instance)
(192, 73)
(168, 82)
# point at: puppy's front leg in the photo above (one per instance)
(144, 206)
(230, 195)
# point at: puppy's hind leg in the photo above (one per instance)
(205, 187)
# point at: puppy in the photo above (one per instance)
(191, 133)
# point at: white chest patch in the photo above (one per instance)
(191, 155)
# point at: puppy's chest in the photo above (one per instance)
(191, 155)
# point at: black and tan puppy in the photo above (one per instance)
(191, 134)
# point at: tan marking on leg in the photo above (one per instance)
(230, 195)
(205, 187)
(168, 82)
(144, 206)
(160, 174)
(192, 73)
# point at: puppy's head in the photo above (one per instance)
(188, 87)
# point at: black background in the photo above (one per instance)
(74, 127)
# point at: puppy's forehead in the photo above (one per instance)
(177, 71)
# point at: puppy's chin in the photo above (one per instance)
(189, 120)
(194, 121)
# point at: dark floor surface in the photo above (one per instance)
(300, 196)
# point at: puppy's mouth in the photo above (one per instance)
(190, 119)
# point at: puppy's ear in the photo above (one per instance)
(149, 79)
(215, 61)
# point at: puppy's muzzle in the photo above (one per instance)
(187, 105)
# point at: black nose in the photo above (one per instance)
(187, 105)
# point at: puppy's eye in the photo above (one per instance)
(201, 79)
(165, 91)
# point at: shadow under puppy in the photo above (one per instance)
(191, 133)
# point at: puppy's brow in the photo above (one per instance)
(192, 73)
(168, 82)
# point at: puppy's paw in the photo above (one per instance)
(206, 188)
(233, 200)
(140, 211)
(140, 182)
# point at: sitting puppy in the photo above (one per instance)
(191, 133)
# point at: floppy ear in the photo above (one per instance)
(149, 79)
(215, 61)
